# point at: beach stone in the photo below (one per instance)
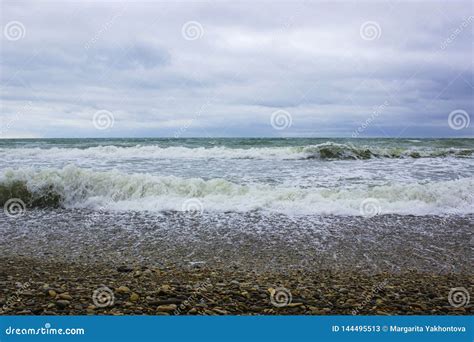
(220, 311)
(122, 289)
(124, 269)
(65, 296)
(52, 293)
(134, 297)
(167, 308)
(62, 303)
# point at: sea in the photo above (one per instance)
(307, 176)
(364, 205)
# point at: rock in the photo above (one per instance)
(383, 313)
(165, 288)
(134, 297)
(166, 308)
(220, 311)
(122, 289)
(52, 293)
(166, 301)
(65, 296)
(62, 303)
(293, 305)
(124, 269)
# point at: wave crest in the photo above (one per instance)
(73, 187)
(325, 151)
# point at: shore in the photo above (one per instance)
(48, 288)
(54, 262)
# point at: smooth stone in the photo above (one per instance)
(63, 303)
(122, 289)
(65, 296)
(134, 297)
(167, 308)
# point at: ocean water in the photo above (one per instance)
(343, 177)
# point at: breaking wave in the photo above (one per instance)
(73, 187)
(325, 151)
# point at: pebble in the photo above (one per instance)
(124, 269)
(65, 296)
(134, 297)
(166, 308)
(122, 289)
(62, 303)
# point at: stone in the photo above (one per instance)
(62, 303)
(122, 289)
(134, 297)
(65, 296)
(167, 308)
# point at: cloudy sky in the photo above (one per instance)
(249, 68)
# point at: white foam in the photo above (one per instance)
(82, 188)
(178, 152)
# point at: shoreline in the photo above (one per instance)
(39, 287)
(232, 264)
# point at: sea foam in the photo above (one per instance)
(74, 187)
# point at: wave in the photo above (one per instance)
(325, 151)
(73, 187)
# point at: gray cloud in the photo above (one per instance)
(308, 58)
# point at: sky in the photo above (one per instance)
(236, 69)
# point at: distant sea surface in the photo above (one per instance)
(342, 177)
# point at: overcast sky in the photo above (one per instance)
(323, 69)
